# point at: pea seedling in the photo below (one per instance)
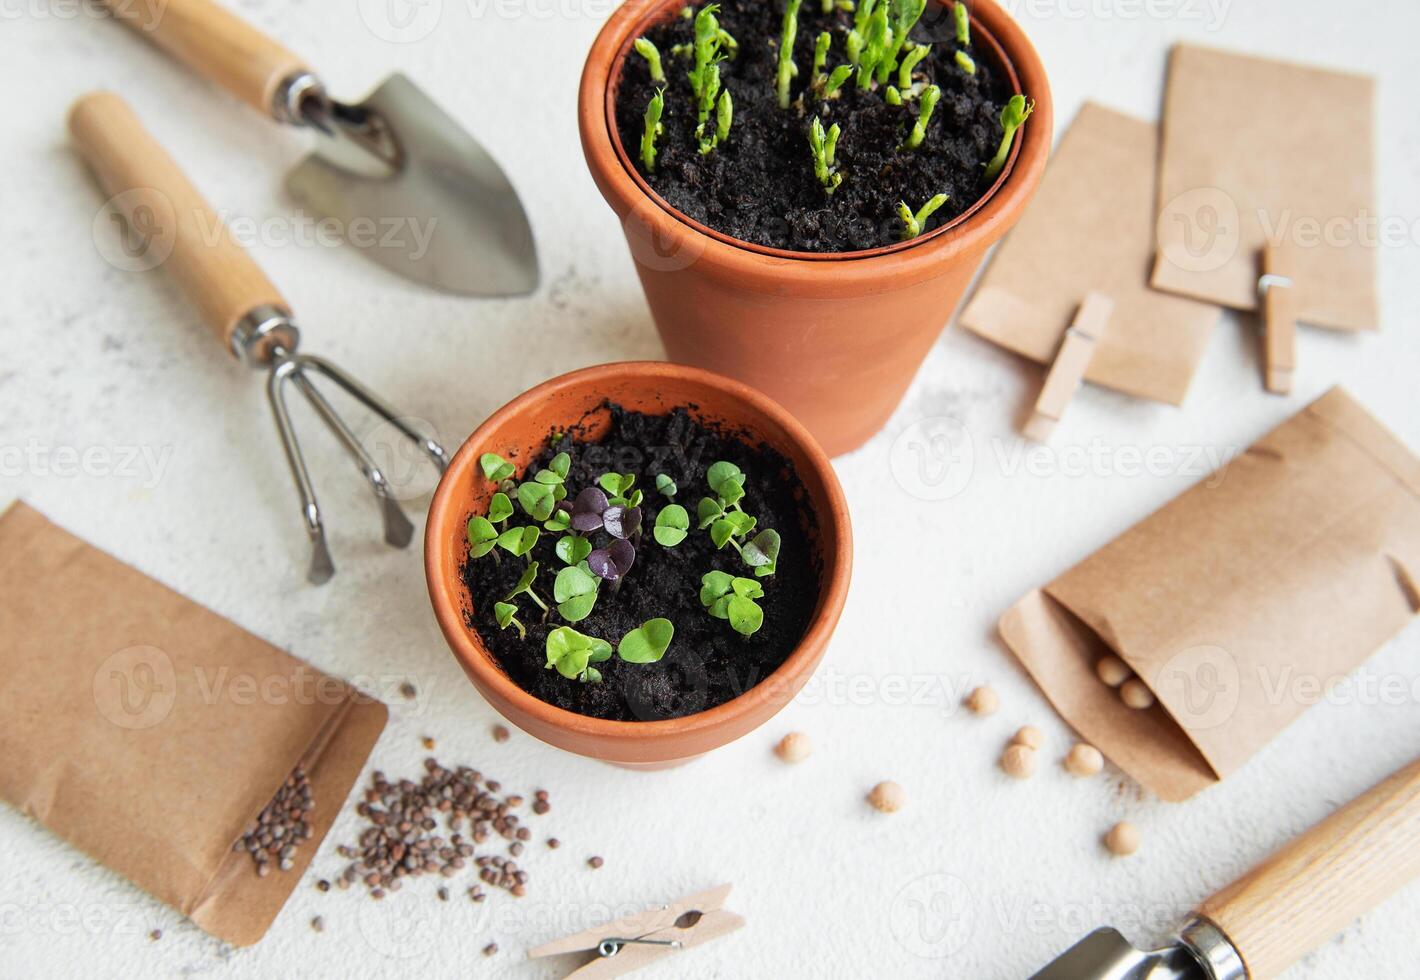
(963, 22)
(965, 62)
(892, 96)
(705, 78)
(646, 49)
(827, 86)
(725, 596)
(1013, 116)
(672, 525)
(857, 37)
(787, 70)
(909, 62)
(902, 15)
(913, 223)
(823, 146)
(507, 615)
(930, 95)
(876, 43)
(652, 130)
(573, 654)
(575, 590)
(647, 643)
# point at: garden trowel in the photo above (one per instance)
(408, 185)
(1284, 908)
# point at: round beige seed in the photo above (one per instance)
(1018, 761)
(1113, 671)
(1029, 736)
(1084, 761)
(983, 701)
(794, 747)
(1123, 839)
(1136, 694)
(887, 797)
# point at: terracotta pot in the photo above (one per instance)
(836, 338)
(518, 431)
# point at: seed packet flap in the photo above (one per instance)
(1289, 567)
(150, 732)
(1090, 228)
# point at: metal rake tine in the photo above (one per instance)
(380, 407)
(322, 568)
(398, 529)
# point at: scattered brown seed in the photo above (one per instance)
(1084, 761)
(595, 862)
(1123, 839)
(490, 950)
(282, 826)
(1136, 694)
(554, 843)
(1029, 736)
(443, 894)
(428, 743)
(1018, 761)
(501, 733)
(541, 806)
(155, 935)
(794, 747)
(407, 689)
(1112, 670)
(888, 797)
(318, 924)
(983, 701)
(323, 885)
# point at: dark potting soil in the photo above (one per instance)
(760, 186)
(708, 663)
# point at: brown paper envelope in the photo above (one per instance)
(149, 732)
(1091, 227)
(1295, 563)
(1257, 151)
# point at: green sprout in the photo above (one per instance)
(619, 489)
(912, 224)
(824, 146)
(647, 50)
(500, 508)
(1013, 116)
(495, 467)
(672, 525)
(539, 496)
(652, 129)
(482, 536)
(762, 553)
(724, 117)
(827, 86)
(507, 615)
(573, 549)
(705, 78)
(666, 486)
(525, 587)
(965, 62)
(903, 15)
(787, 70)
(930, 95)
(857, 36)
(519, 540)
(730, 526)
(575, 590)
(876, 42)
(909, 62)
(725, 596)
(892, 96)
(560, 521)
(963, 22)
(821, 45)
(647, 643)
(573, 654)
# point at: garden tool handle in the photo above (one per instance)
(1313, 887)
(179, 229)
(216, 43)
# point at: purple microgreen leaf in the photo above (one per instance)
(603, 564)
(624, 554)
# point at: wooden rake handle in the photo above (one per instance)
(177, 227)
(217, 44)
(1315, 886)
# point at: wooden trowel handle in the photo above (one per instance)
(1315, 886)
(214, 42)
(173, 225)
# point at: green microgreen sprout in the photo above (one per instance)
(965, 62)
(573, 654)
(646, 49)
(652, 129)
(575, 590)
(892, 96)
(829, 6)
(672, 525)
(647, 643)
(836, 79)
(787, 70)
(507, 615)
(500, 508)
(482, 536)
(726, 596)
(858, 35)
(495, 467)
(762, 553)
(821, 45)
(519, 540)
(827, 85)
(824, 146)
(540, 495)
(619, 487)
(525, 587)
(876, 43)
(930, 95)
(573, 549)
(1013, 116)
(913, 223)
(560, 520)
(724, 118)
(903, 15)
(963, 22)
(666, 486)
(909, 62)
(705, 78)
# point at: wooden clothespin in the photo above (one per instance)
(1277, 295)
(1068, 370)
(647, 937)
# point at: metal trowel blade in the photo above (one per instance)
(1106, 955)
(422, 198)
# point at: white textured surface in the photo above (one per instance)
(93, 357)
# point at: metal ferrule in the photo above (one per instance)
(260, 331)
(291, 94)
(1215, 952)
